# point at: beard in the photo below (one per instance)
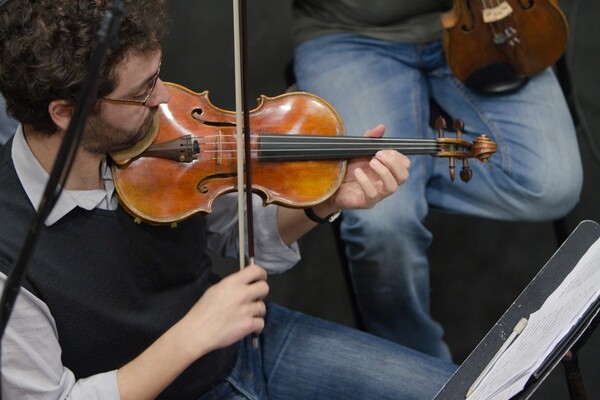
(102, 137)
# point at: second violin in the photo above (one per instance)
(492, 37)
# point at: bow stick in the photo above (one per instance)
(244, 175)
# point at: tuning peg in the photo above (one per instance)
(440, 125)
(466, 173)
(459, 127)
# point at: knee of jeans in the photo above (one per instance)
(362, 223)
(552, 200)
(383, 222)
(384, 245)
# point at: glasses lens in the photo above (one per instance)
(142, 98)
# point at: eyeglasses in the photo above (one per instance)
(142, 99)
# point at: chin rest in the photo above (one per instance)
(495, 80)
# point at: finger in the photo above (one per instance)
(252, 273)
(393, 158)
(368, 188)
(376, 131)
(388, 180)
(257, 271)
(397, 163)
(258, 326)
(255, 309)
(258, 317)
(261, 309)
(257, 290)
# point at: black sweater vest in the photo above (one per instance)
(113, 286)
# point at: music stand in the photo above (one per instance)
(529, 301)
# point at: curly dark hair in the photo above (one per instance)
(45, 48)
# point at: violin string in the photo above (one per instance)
(510, 27)
(347, 149)
(309, 150)
(292, 137)
(504, 25)
(492, 26)
(332, 146)
(311, 140)
(211, 156)
(334, 149)
(351, 153)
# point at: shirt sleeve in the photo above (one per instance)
(270, 250)
(31, 358)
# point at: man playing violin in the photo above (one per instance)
(113, 309)
(383, 62)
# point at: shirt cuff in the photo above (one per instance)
(271, 252)
(97, 387)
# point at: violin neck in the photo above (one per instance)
(277, 147)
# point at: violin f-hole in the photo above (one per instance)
(529, 4)
(197, 112)
(466, 28)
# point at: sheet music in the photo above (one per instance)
(546, 328)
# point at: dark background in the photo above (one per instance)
(478, 266)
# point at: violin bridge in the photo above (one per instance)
(498, 13)
(220, 148)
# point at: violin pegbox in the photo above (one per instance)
(482, 148)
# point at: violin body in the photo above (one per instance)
(160, 190)
(525, 35)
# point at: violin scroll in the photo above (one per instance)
(483, 148)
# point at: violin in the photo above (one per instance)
(487, 36)
(298, 155)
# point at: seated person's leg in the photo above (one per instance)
(308, 358)
(371, 82)
(536, 174)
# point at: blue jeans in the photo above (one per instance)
(535, 175)
(301, 357)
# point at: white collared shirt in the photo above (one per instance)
(33, 178)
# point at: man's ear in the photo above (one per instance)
(61, 112)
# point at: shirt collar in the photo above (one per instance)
(34, 178)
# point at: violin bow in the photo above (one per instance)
(244, 171)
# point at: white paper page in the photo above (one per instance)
(545, 329)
